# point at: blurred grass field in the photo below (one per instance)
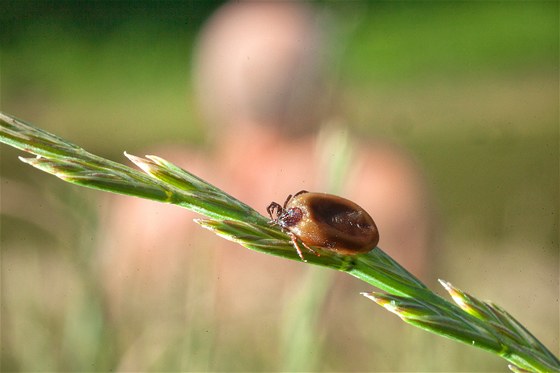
(469, 88)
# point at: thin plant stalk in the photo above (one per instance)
(470, 321)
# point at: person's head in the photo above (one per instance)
(262, 63)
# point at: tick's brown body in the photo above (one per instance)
(326, 221)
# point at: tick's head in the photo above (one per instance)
(289, 217)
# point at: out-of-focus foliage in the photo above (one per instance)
(470, 88)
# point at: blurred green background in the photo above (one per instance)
(469, 88)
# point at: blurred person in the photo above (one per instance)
(261, 80)
(260, 77)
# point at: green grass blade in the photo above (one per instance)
(471, 321)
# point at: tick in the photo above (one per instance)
(325, 221)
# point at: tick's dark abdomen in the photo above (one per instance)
(336, 223)
(339, 216)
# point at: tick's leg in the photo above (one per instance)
(300, 192)
(298, 248)
(310, 249)
(286, 201)
(270, 209)
(290, 197)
